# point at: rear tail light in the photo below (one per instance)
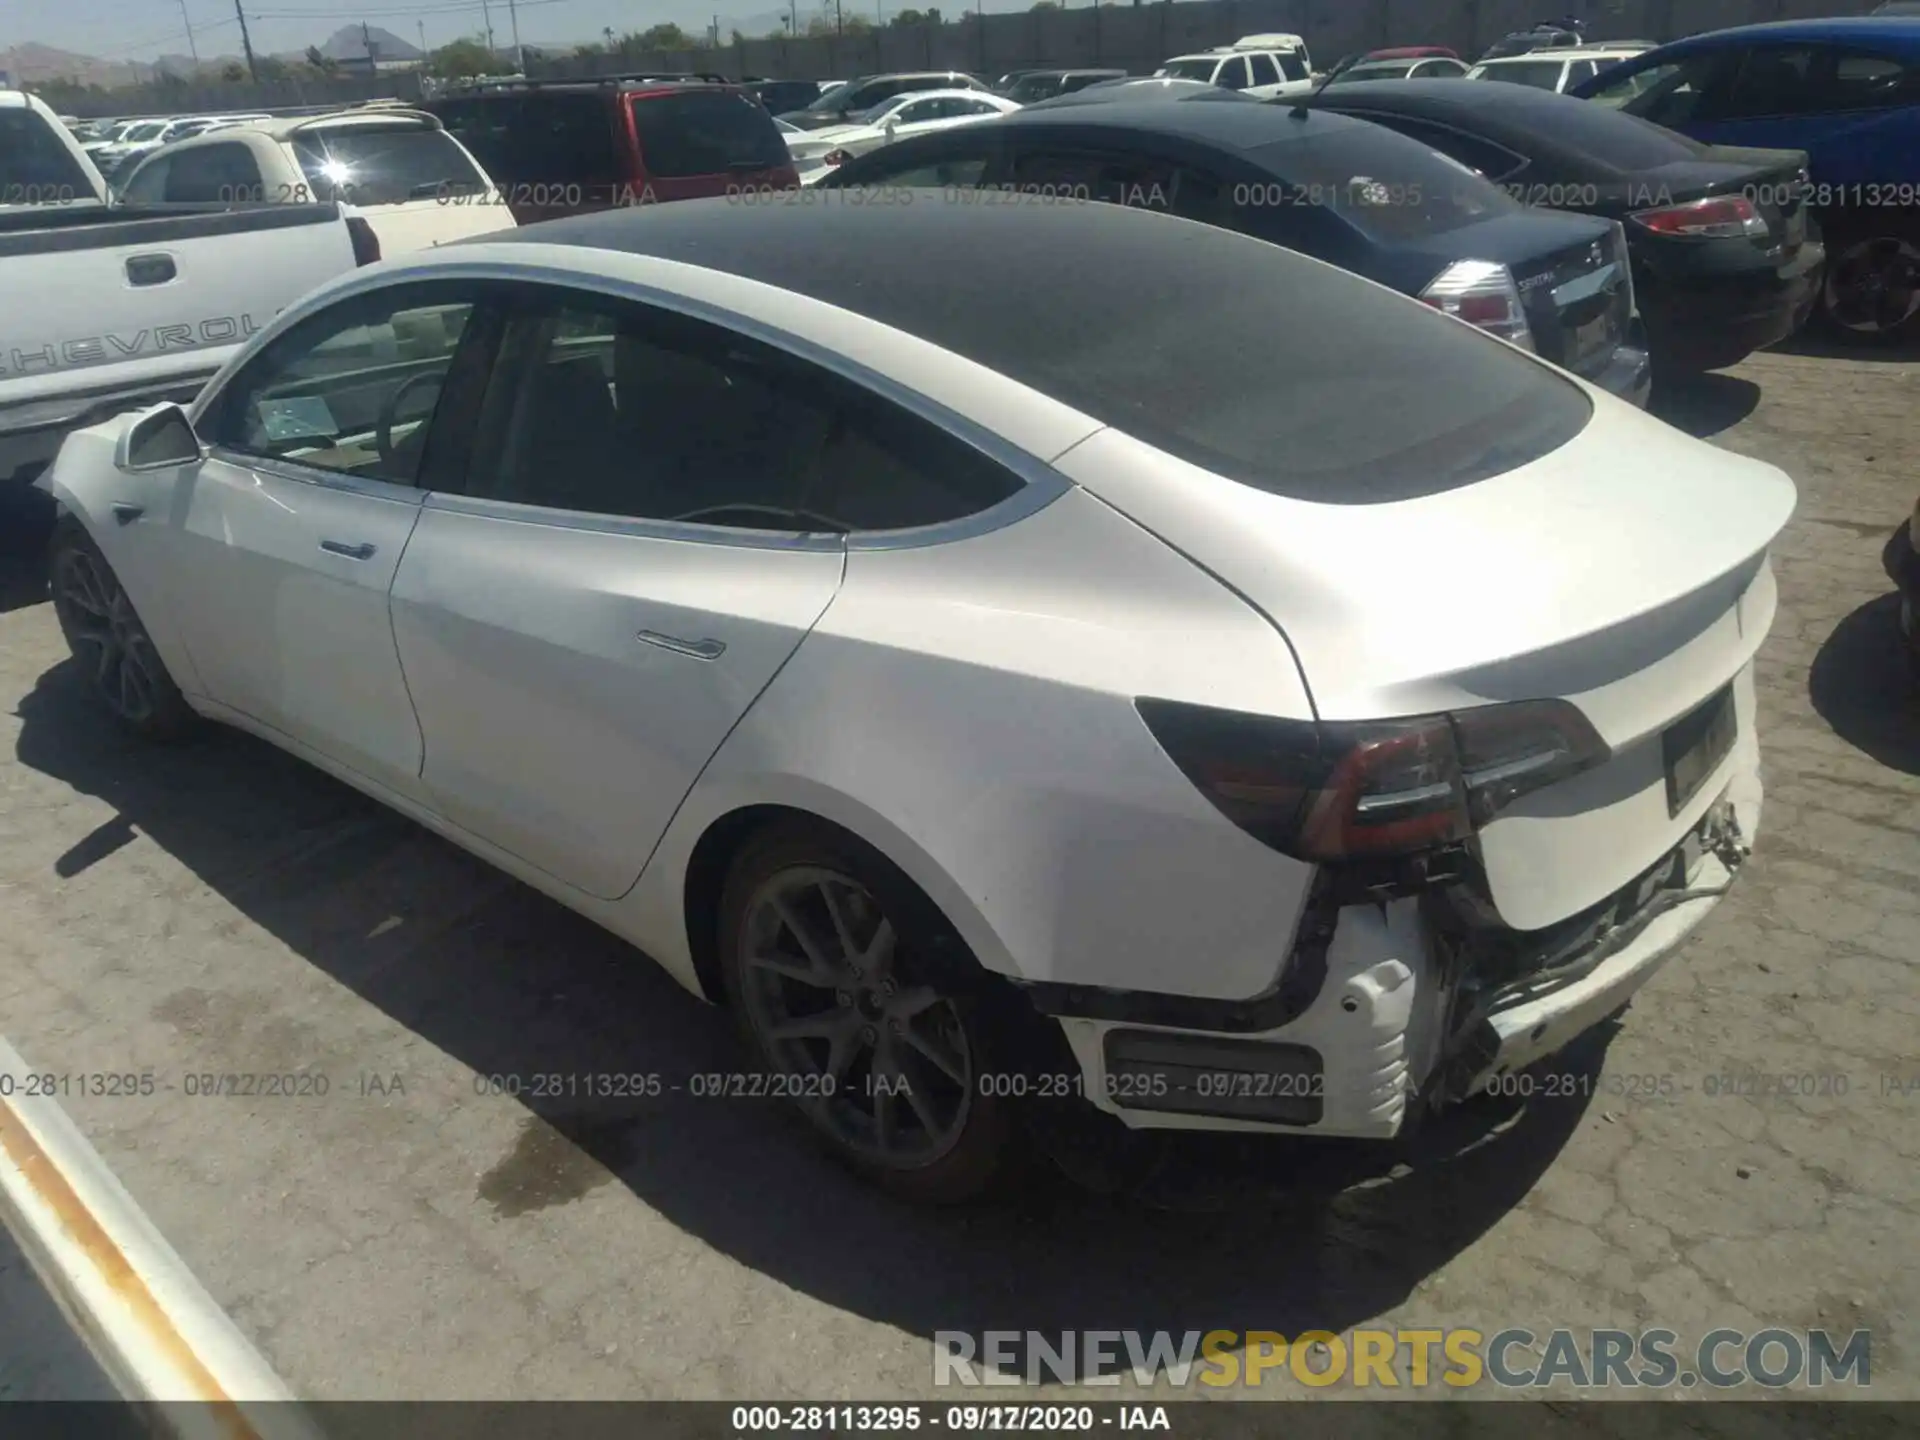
(1338, 791)
(1717, 218)
(366, 244)
(1484, 294)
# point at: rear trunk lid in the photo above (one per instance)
(1776, 181)
(1625, 571)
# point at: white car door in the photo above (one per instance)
(623, 577)
(953, 110)
(284, 541)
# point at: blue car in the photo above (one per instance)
(1846, 91)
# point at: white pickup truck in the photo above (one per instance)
(105, 309)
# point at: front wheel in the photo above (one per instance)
(864, 1008)
(109, 641)
(1871, 292)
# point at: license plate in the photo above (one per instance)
(1694, 746)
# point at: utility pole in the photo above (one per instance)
(366, 39)
(421, 26)
(246, 44)
(519, 51)
(486, 13)
(192, 49)
(839, 25)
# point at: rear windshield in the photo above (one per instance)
(385, 166)
(1188, 69)
(1540, 74)
(1617, 140)
(1388, 187)
(543, 138)
(35, 168)
(706, 132)
(1369, 398)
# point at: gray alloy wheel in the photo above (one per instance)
(108, 639)
(1872, 286)
(877, 1055)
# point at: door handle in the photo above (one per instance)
(150, 269)
(126, 514)
(698, 649)
(362, 551)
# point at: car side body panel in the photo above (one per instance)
(1034, 807)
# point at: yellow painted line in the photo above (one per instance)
(161, 1338)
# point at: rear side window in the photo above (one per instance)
(383, 166)
(1384, 185)
(706, 132)
(1540, 74)
(215, 174)
(1865, 81)
(1293, 65)
(553, 137)
(1264, 70)
(35, 168)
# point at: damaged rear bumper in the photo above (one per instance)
(1417, 1009)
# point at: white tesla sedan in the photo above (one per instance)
(1034, 684)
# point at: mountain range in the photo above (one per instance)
(35, 62)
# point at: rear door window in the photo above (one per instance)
(1770, 80)
(706, 132)
(543, 138)
(1233, 74)
(35, 168)
(215, 174)
(383, 165)
(1265, 72)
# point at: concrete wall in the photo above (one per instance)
(1134, 37)
(1139, 37)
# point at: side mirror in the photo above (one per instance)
(159, 439)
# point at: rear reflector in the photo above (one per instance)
(1202, 1075)
(1717, 218)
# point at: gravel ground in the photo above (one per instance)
(220, 908)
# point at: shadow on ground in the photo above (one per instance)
(1704, 405)
(1818, 343)
(1229, 1234)
(26, 523)
(1860, 683)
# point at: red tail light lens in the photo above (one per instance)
(366, 244)
(1335, 791)
(1720, 217)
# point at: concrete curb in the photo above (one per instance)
(152, 1326)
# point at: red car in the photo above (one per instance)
(1411, 52)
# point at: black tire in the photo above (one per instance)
(1870, 294)
(937, 1163)
(110, 642)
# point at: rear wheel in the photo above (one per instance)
(1871, 292)
(865, 1009)
(109, 641)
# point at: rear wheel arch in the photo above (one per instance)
(728, 835)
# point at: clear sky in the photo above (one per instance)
(142, 29)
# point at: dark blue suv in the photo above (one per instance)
(1846, 91)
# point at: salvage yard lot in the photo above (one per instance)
(220, 909)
